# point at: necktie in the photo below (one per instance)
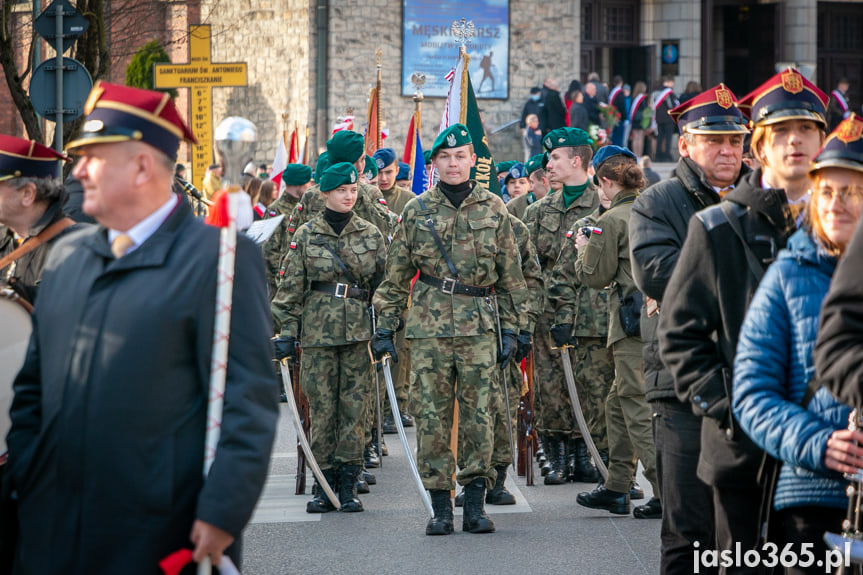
(121, 245)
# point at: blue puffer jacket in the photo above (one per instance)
(773, 368)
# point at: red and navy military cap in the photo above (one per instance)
(843, 148)
(785, 96)
(713, 111)
(121, 113)
(21, 158)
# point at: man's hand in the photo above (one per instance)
(561, 334)
(509, 343)
(844, 451)
(524, 345)
(209, 540)
(284, 347)
(382, 344)
(580, 240)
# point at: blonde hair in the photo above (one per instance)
(760, 133)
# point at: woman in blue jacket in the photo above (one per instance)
(774, 362)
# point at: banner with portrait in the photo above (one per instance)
(429, 45)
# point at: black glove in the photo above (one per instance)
(509, 343)
(561, 334)
(382, 344)
(284, 347)
(524, 345)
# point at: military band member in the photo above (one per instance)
(31, 212)
(537, 187)
(459, 237)
(334, 263)
(296, 179)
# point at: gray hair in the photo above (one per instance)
(48, 190)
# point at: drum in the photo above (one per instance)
(14, 338)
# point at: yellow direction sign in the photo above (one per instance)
(200, 75)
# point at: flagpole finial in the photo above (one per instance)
(463, 31)
(418, 79)
(379, 54)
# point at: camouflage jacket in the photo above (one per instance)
(518, 206)
(397, 198)
(479, 240)
(573, 302)
(605, 259)
(370, 206)
(532, 275)
(327, 320)
(275, 247)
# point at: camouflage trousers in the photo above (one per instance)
(444, 370)
(630, 436)
(501, 454)
(552, 408)
(337, 382)
(401, 379)
(594, 374)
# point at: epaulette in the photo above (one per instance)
(714, 217)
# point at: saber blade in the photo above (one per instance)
(579, 414)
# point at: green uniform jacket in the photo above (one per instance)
(518, 206)
(549, 222)
(326, 319)
(479, 240)
(397, 198)
(370, 206)
(275, 247)
(532, 275)
(605, 259)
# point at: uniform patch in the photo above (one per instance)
(569, 234)
(724, 98)
(273, 213)
(399, 220)
(792, 82)
(291, 230)
(299, 207)
(849, 131)
(382, 201)
(293, 245)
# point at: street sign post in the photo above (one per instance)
(76, 87)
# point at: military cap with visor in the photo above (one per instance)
(337, 175)
(843, 147)
(785, 96)
(566, 138)
(346, 146)
(296, 175)
(455, 136)
(21, 158)
(714, 111)
(121, 113)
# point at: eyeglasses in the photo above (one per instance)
(850, 195)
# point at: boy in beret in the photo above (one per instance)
(116, 441)
(451, 317)
(396, 196)
(403, 178)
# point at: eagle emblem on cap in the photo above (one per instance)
(724, 97)
(849, 131)
(792, 82)
(450, 140)
(547, 142)
(380, 163)
(353, 177)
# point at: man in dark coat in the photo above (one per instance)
(553, 113)
(110, 411)
(657, 230)
(727, 249)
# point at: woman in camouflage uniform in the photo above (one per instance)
(334, 263)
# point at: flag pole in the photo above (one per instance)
(377, 140)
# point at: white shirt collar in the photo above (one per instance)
(142, 231)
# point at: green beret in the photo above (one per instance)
(544, 160)
(427, 156)
(566, 138)
(296, 175)
(321, 166)
(534, 164)
(455, 136)
(338, 175)
(503, 167)
(346, 146)
(370, 170)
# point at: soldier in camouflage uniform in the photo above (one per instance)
(370, 172)
(603, 260)
(334, 263)
(296, 179)
(451, 323)
(538, 187)
(569, 154)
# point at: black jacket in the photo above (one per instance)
(553, 113)
(657, 229)
(698, 327)
(530, 107)
(578, 116)
(840, 337)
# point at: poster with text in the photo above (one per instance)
(429, 46)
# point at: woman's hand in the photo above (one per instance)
(580, 240)
(844, 451)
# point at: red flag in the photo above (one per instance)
(410, 140)
(294, 149)
(372, 123)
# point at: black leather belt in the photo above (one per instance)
(341, 291)
(451, 286)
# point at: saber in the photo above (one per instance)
(505, 389)
(394, 405)
(576, 409)
(380, 422)
(310, 457)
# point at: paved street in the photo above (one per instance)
(545, 532)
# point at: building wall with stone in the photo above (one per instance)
(676, 20)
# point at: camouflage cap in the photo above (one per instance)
(370, 170)
(338, 175)
(566, 138)
(296, 175)
(455, 136)
(533, 164)
(346, 146)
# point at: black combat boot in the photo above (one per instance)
(650, 510)
(407, 419)
(368, 477)
(571, 452)
(321, 503)
(635, 491)
(556, 453)
(474, 519)
(459, 498)
(362, 484)
(389, 424)
(602, 498)
(540, 450)
(498, 494)
(584, 471)
(348, 489)
(370, 456)
(547, 456)
(441, 523)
